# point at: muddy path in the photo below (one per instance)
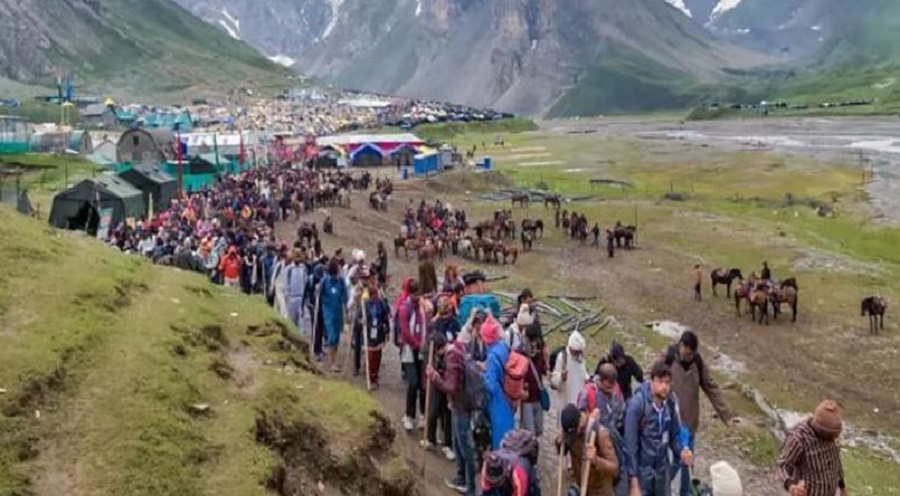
(630, 286)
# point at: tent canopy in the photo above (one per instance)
(152, 182)
(97, 194)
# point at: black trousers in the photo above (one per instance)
(357, 343)
(415, 388)
(439, 416)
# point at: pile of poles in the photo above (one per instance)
(563, 314)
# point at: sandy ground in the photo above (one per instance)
(583, 268)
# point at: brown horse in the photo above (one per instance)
(506, 252)
(726, 277)
(875, 306)
(741, 292)
(554, 199)
(785, 293)
(759, 300)
(521, 198)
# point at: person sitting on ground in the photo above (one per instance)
(810, 461)
(627, 368)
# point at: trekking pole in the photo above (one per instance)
(562, 464)
(365, 333)
(427, 403)
(315, 329)
(587, 465)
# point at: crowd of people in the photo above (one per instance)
(478, 380)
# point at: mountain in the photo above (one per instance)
(572, 57)
(125, 46)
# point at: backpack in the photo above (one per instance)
(395, 329)
(554, 355)
(618, 443)
(521, 448)
(473, 387)
(587, 398)
(516, 368)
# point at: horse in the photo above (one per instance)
(399, 242)
(307, 232)
(740, 293)
(875, 306)
(527, 240)
(554, 199)
(533, 226)
(521, 198)
(785, 293)
(759, 299)
(726, 277)
(624, 235)
(507, 251)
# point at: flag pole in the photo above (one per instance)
(180, 168)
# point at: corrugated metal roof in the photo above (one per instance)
(359, 139)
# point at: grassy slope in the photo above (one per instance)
(154, 47)
(46, 175)
(103, 356)
(626, 81)
(733, 219)
(862, 61)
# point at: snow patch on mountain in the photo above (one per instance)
(230, 24)
(722, 7)
(335, 10)
(283, 60)
(679, 4)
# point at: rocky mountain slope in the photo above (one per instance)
(795, 29)
(520, 55)
(146, 46)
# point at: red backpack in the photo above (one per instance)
(516, 369)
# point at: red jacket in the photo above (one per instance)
(231, 267)
(411, 337)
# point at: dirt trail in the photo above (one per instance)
(584, 268)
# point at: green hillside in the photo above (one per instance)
(624, 80)
(144, 46)
(121, 378)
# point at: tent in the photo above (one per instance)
(367, 155)
(153, 183)
(79, 206)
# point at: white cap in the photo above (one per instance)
(576, 342)
(725, 480)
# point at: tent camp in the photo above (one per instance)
(153, 183)
(79, 206)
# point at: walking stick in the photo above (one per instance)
(427, 402)
(562, 464)
(315, 329)
(365, 333)
(587, 465)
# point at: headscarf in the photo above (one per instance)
(490, 330)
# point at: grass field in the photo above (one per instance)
(737, 209)
(120, 378)
(45, 174)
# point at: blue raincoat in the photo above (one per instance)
(500, 412)
(334, 300)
